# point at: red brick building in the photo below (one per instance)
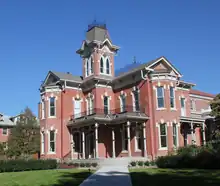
(144, 110)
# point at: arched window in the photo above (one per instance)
(101, 65)
(107, 66)
(87, 67)
(136, 103)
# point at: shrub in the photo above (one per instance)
(25, 165)
(94, 164)
(140, 163)
(76, 164)
(146, 163)
(87, 164)
(152, 163)
(133, 163)
(190, 150)
(82, 164)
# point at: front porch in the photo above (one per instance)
(100, 141)
(193, 130)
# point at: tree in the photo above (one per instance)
(24, 139)
(215, 106)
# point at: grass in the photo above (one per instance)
(71, 177)
(171, 177)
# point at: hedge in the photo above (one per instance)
(26, 165)
(191, 157)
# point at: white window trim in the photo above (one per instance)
(163, 148)
(89, 100)
(55, 133)
(80, 100)
(43, 109)
(55, 106)
(137, 131)
(174, 99)
(121, 102)
(184, 106)
(193, 101)
(108, 99)
(89, 61)
(124, 140)
(133, 99)
(3, 131)
(160, 108)
(177, 135)
(104, 66)
(42, 142)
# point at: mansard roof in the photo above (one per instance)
(6, 120)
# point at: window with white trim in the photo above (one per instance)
(175, 135)
(43, 109)
(160, 97)
(122, 103)
(89, 66)
(4, 130)
(163, 135)
(90, 105)
(77, 108)
(52, 106)
(192, 105)
(105, 66)
(106, 104)
(52, 141)
(42, 142)
(136, 101)
(138, 140)
(124, 138)
(172, 97)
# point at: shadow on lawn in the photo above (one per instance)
(176, 178)
(148, 177)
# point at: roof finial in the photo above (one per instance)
(134, 60)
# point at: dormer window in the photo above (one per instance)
(105, 65)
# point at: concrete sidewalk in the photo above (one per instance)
(109, 176)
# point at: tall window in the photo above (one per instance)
(182, 103)
(90, 105)
(106, 105)
(43, 109)
(175, 135)
(136, 104)
(172, 97)
(192, 105)
(4, 130)
(52, 141)
(101, 65)
(107, 66)
(122, 103)
(138, 140)
(42, 142)
(163, 135)
(52, 106)
(77, 108)
(160, 97)
(124, 139)
(89, 66)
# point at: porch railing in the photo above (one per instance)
(104, 112)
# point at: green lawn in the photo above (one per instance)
(171, 177)
(44, 178)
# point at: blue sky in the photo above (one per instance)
(38, 36)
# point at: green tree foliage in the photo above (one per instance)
(215, 106)
(24, 139)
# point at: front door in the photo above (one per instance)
(90, 145)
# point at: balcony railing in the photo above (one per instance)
(103, 112)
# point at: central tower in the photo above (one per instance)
(97, 52)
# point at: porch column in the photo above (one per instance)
(192, 134)
(83, 145)
(113, 143)
(96, 141)
(144, 139)
(128, 140)
(203, 133)
(72, 144)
